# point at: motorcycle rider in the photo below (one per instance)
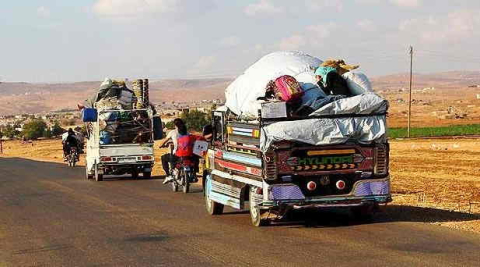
(182, 146)
(69, 140)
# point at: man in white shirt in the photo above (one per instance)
(170, 157)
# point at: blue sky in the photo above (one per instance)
(64, 40)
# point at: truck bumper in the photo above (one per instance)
(364, 192)
(331, 202)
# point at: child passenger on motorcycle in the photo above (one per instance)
(183, 143)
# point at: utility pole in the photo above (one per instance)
(410, 94)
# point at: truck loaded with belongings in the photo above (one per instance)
(298, 132)
(121, 128)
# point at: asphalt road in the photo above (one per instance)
(51, 216)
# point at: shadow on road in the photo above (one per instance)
(393, 213)
(397, 213)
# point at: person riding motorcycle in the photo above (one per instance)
(69, 140)
(183, 147)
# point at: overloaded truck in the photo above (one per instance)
(336, 157)
(121, 129)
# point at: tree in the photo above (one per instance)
(47, 133)
(10, 131)
(195, 120)
(34, 129)
(57, 129)
(169, 125)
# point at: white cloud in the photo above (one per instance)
(321, 31)
(137, 9)
(293, 42)
(265, 7)
(368, 1)
(43, 12)
(204, 63)
(366, 25)
(230, 41)
(313, 35)
(133, 8)
(456, 26)
(406, 3)
(321, 5)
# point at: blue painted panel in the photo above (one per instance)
(242, 130)
(242, 134)
(220, 198)
(242, 158)
(225, 200)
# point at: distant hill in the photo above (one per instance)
(22, 97)
(33, 98)
(445, 80)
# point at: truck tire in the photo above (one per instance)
(213, 208)
(135, 174)
(88, 176)
(98, 177)
(257, 215)
(147, 175)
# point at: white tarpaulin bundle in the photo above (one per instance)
(360, 118)
(366, 125)
(241, 95)
(327, 131)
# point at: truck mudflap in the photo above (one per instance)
(364, 192)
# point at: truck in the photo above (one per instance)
(279, 175)
(129, 151)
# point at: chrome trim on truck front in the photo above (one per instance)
(376, 190)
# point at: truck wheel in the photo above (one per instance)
(213, 208)
(135, 174)
(147, 175)
(87, 173)
(98, 177)
(256, 214)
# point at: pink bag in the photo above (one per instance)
(288, 89)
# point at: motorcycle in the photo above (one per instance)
(72, 157)
(183, 172)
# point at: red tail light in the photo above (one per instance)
(106, 159)
(365, 159)
(340, 184)
(146, 157)
(311, 185)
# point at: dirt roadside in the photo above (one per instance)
(433, 180)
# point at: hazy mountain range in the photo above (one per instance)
(19, 97)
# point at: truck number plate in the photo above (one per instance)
(127, 160)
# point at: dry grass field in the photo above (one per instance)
(433, 180)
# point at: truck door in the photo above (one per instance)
(218, 127)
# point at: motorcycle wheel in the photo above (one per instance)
(186, 182)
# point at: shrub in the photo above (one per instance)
(34, 129)
(195, 120)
